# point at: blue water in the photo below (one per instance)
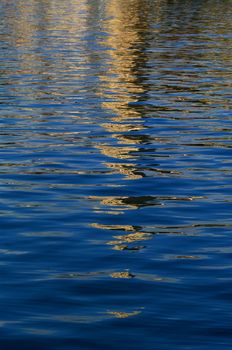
(115, 174)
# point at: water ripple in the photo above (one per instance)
(115, 174)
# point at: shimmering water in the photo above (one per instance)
(115, 174)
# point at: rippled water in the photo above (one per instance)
(115, 174)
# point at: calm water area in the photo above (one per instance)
(115, 174)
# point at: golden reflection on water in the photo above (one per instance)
(121, 85)
(124, 274)
(121, 82)
(121, 314)
(46, 15)
(99, 275)
(44, 60)
(98, 317)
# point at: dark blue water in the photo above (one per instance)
(115, 174)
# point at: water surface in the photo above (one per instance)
(115, 174)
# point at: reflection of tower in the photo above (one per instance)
(123, 85)
(125, 76)
(123, 89)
